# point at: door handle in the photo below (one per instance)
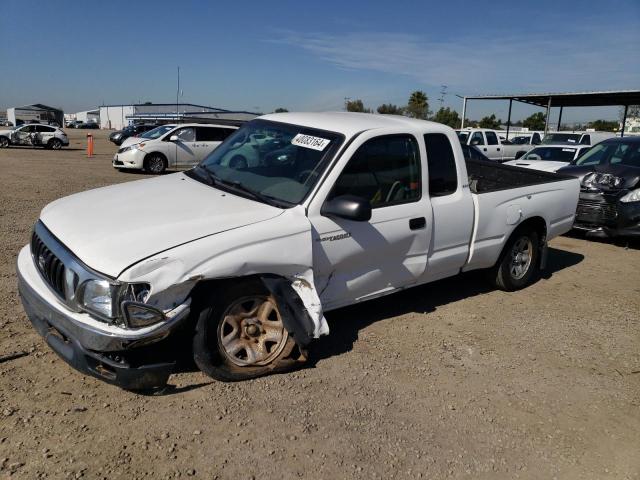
(485, 149)
(417, 223)
(498, 149)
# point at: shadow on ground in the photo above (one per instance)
(622, 242)
(345, 323)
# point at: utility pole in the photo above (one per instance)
(443, 93)
(177, 97)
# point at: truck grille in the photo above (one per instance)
(594, 210)
(51, 268)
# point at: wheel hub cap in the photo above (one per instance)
(520, 257)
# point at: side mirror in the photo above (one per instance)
(349, 207)
(475, 142)
(519, 154)
(173, 138)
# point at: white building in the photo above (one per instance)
(35, 113)
(119, 116)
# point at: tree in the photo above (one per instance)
(535, 121)
(357, 106)
(604, 125)
(418, 106)
(390, 109)
(490, 122)
(448, 117)
(280, 110)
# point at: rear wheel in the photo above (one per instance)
(519, 263)
(54, 144)
(4, 142)
(240, 335)
(155, 163)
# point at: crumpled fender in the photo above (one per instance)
(299, 306)
(279, 251)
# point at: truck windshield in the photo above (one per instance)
(551, 153)
(463, 136)
(274, 160)
(569, 138)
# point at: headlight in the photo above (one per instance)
(99, 296)
(632, 196)
(595, 181)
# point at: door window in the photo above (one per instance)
(443, 174)
(187, 134)
(491, 138)
(44, 129)
(212, 134)
(476, 139)
(535, 140)
(384, 170)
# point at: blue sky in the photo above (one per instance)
(262, 55)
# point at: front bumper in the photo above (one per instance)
(131, 159)
(605, 216)
(132, 359)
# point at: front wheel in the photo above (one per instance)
(4, 142)
(155, 163)
(519, 263)
(240, 335)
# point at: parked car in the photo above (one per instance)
(181, 147)
(89, 125)
(244, 260)
(576, 138)
(488, 142)
(152, 134)
(120, 136)
(549, 158)
(35, 135)
(609, 203)
(534, 138)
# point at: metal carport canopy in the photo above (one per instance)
(573, 99)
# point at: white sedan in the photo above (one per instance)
(549, 158)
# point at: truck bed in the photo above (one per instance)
(485, 177)
(503, 195)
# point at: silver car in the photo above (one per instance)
(34, 135)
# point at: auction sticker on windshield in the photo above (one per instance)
(309, 141)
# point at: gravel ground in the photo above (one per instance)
(450, 380)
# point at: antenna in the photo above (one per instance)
(177, 95)
(443, 93)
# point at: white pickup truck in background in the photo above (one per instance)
(491, 145)
(242, 259)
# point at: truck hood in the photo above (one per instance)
(542, 165)
(111, 228)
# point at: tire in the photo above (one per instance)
(4, 142)
(155, 163)
(54, 144)
(519, 263)
(233, 340)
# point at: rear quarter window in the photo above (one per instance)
(443, 174)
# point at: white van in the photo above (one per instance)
(171, 146)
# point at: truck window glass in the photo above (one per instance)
(491, 138)
(384, 170)
(443, 176)
(476, 139)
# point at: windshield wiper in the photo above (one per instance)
(215, 180)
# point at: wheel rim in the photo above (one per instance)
(4, 142)
(521, 256)
(156, 164)
(251, 332)
(56, 144)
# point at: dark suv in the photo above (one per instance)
(120, 136)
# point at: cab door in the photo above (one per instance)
(493, 147)
(357, 260)
(186, 152)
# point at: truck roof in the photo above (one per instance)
(350, 123)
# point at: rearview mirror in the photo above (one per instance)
(173, 138)
(349, 207)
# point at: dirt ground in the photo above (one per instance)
(450, 380)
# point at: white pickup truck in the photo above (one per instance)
(491, 145)
(242, 258)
